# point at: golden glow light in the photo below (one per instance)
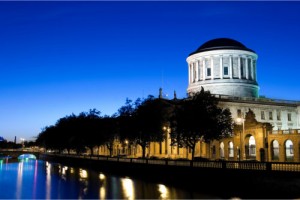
(83, 173)
(128, 188)
(164, 193)
(101, 176)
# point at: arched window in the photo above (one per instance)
(222, 150)
(252, 147)
(289, 150)
(275, 150)
(230, 150)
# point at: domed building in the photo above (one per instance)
(228, 69)
(265, 129)
(223, 66)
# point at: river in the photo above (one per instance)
(36, 179)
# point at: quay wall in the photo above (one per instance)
(211, 176)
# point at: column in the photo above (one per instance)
(199, 70)
(247, 73)
(230, 67)
(189, 67)
(192, 73)
(204, 66)
(197, 66)
(212, 67)
(239, 67)
(221, 67)
(252, 69)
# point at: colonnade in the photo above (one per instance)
(222, 67)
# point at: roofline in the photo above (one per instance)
(221, 48)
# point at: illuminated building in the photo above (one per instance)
(268, 132)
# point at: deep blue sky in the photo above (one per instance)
(59, 58)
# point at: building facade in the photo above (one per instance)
(266, 129)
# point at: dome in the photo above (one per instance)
(221, 43)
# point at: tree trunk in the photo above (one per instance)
(92, 153)
(144, 151)
(193, 151)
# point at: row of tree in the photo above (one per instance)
(190, 120)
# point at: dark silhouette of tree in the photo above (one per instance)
(90, 127)
(126, 123)
(198, 118)
(48, 138)
(109, 132)
(149, 119)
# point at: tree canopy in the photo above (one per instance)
(139, 122)
(199, 118)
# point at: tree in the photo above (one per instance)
(198, 118)
(109, 132)
(125, 121)
(149, 119)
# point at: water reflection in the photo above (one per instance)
(48, 180)
(35, 178)
(45, 180)
(128, 188)
(102, 189)
(164, 193)
(19, 180)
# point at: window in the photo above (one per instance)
(208, 72)
(262, 115)
(278, 116)
(270, 116)
(249, 69)
(239, 113)
(243, 73)
(225, 70)
(291, 149)
(289, 117)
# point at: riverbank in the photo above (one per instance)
(226, 183)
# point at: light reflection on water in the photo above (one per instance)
(35, 179)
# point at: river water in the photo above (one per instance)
(36, 179)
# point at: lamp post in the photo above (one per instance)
(127, 148)
(167, 130)
(240, 121)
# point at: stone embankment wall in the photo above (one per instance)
(220, 181)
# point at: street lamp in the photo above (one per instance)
(240, 121)
(167, 130)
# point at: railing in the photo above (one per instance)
(231, 165)
(281, 132)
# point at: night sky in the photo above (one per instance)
(59, 58)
